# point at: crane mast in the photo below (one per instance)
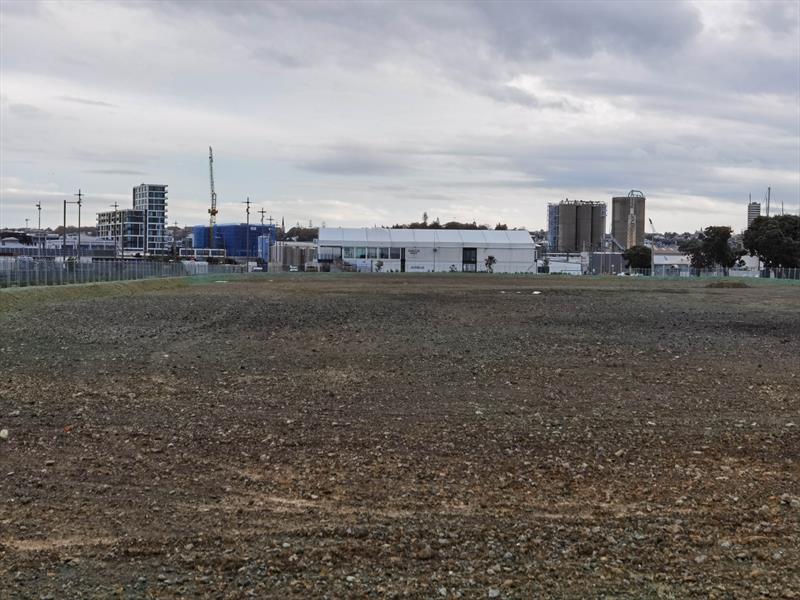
(212, 212)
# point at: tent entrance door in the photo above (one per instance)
(469, 260)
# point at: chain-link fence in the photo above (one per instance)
(667, 271)
(16, 272)
(25, 271)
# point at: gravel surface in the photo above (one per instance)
(390, 436)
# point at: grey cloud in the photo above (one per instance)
(87, 101)
(28, 111)
(115, 172)
(535, 30)
(505, 93)
(21, 8)
(779, 16)
(648, 70)
(124, 158)
(353, 161)
(283, 59)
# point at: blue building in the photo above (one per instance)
(234, 238)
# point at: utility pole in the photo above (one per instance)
(26, 223)
(117, 227)
(41, 239)
(80, 200)
(247, 234)
(262, 212)
(64, 234)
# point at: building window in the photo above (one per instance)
(361, 252)
(372, 253)
(347, 252)
(394, 253)
(383, 253)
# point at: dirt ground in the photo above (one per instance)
(401, 436)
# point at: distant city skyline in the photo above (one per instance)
(361, 114)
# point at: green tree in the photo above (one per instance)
(712, 247)
(718, 248)
(302, 234)
(775, 240)
(638, 257)
(694, 250)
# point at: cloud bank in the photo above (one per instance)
(371, 113)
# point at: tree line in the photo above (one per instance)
(774, 240)
(437, 224)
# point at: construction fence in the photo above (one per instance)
(15, 272)
(662, 271)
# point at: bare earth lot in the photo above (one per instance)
(380, 436)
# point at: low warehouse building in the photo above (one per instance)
(427, 250)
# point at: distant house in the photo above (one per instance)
(671, 264)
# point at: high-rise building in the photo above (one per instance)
(152, 199)
(753, 211)
(575, 226)
(141, 229)
(627, 219)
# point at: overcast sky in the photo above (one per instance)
(372, 113)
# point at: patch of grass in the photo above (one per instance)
(19, 298)
(727, 284)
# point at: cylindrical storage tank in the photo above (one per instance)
(638, 208)
(566, 228)
(620, 208)
(598, 225)
(583, 240)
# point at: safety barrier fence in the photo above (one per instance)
(661, 271)
(23, 273)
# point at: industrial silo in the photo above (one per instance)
(598, 224)
(621, 214)
(583, 235)
(567, 217)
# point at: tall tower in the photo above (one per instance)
(628, 218)
(753, 211)
(152, 200)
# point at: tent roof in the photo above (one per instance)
(482, 238)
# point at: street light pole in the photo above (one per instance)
(64, 235)
(247, 236)
(41, 241)
(116, 228)
(80, 199)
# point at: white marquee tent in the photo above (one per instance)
(428, 250)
